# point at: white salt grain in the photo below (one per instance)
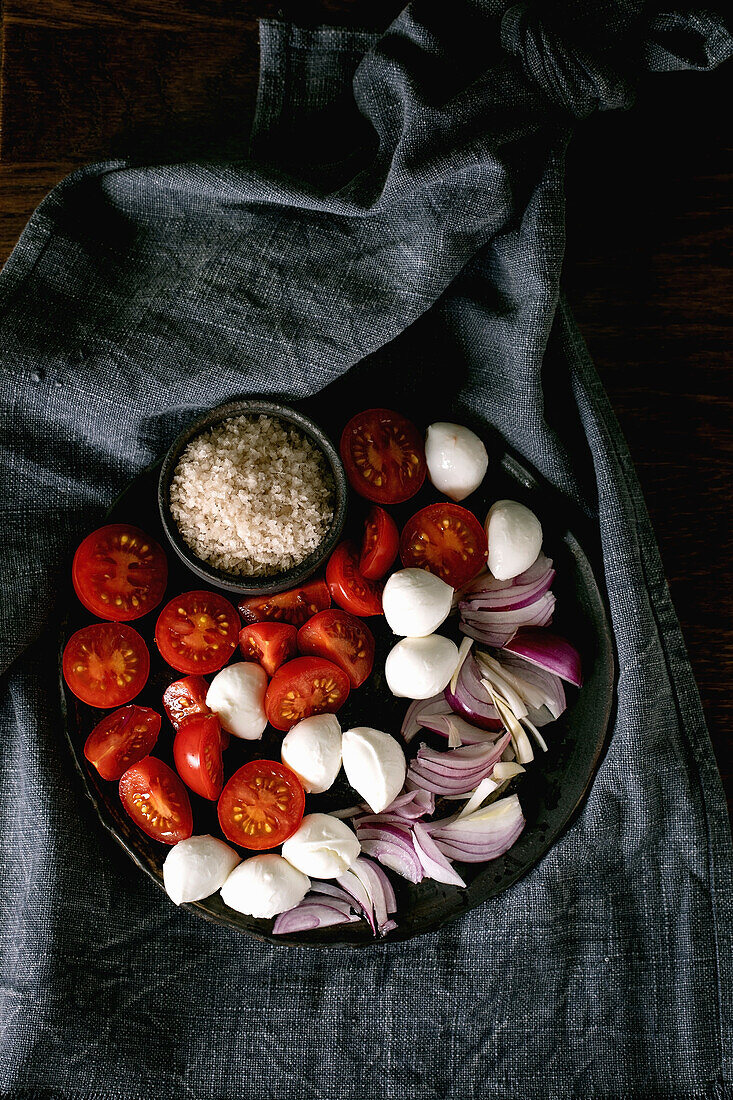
(252, 496)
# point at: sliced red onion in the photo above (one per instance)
(548, 651)
(372, 891)
(483, 835)
(458, 729)
(311, 913)
(434, 863)
(485, 582)
(418, 709)
(469, 700)
(496, 628)
(515, 594)
(412, 805)
(547, 683)
(455, 771)
(403, 860)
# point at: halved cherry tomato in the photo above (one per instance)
(384, 456)
(348, 588)
(380, 544)
(186, 698)
(446, 540)
(197, 754)
(295, 606)
(121, 739)
(305, 686)
(341, 638)
(106, 664)
(261, 805)
(270, 644)
(197, 631)
(156, 800)
(119, 572)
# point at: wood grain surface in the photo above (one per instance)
(650, 237)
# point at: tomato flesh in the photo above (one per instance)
(379, 546)
(341, 638)
(157, 801)
(384, 457)
(270, 644)
(294, 607)
(305, 686)
(119, 572)
(122, 739)
(447, 540)
(197, 631)
(348, 588)
(106, 664)
(262, 805)
(185, 698)
(197, 755)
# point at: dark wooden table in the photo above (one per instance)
(650, 237)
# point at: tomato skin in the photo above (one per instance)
(384, 456)
(269, 644)
(348, 588)
(341, 638)
(184, 698)
(106, 664)
(119, 573)
(319, 687)
(261, 795)
(121, 739)
(295, 606)
(379, 546)
(197, 632)
(157, 801)
(197, 755)
(447, 540)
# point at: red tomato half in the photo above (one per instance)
(379, 546)
(270, 644)
(156, 800)
(384, 456)
(348, 587)
(119, 573)
(106, 664)
(197, 754)
(305, 686)
(197, 631)
(341, 638)
(261, 805)
(121, 739)
(186, 698)
(446, 540)
(295, 606)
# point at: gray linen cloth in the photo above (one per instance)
(400, 216)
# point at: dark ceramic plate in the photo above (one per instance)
(550, 793)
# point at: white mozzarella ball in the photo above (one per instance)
(323, 847)
(375, 765)
(196, 868)
(515, 539)
(237, 696)
(312, 749)
(418, 668)
(416, 602)
(457, 459)
(265, 885)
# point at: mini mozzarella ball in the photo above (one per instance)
(196, 868)
(515, 539)
(456, 458)
(416, 602)
(237, 696)
(418, 668)
(264, 886)
(312, 749)
(323, 847)
(375, 765)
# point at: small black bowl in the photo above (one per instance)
(276, 582)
